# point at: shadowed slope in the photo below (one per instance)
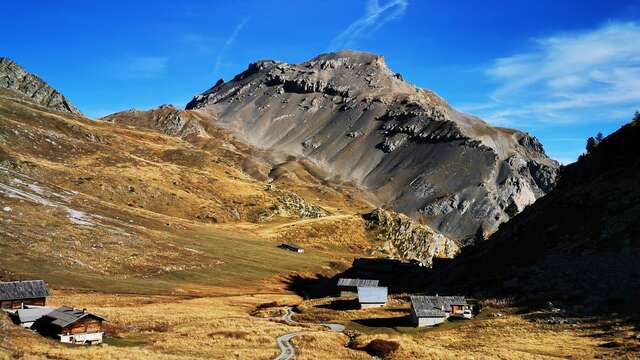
(578, 245)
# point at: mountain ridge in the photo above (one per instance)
(354, 116)
(16, 78)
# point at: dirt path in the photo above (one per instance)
(287, 351)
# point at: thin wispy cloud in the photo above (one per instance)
(375, 17)
(568, 78)
(227, 44)
(143, 67)
(201, 43)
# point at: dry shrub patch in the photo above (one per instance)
(229, 334)
(496, 303)
(115, 329)
(381, 348)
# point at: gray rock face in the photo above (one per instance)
(405, 239)
(351, 114)
(14, 77)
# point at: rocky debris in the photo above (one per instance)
(444, 205)
(289, 203)
(392, 143)
(316, 109)
(16, 78)
(310, 144)
(407, 240)
(6, 209)
(166, 118)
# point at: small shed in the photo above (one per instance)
(71, 325)
(29, 315)
(15, 294)
(370, 297)
(349, 287)
(433, 310)
(425, 313)
(292, 247)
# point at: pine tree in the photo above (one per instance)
(591, 144)
(599, 137)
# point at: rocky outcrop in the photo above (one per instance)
(355, 117)
(405, 239)
(16, 78)
(165, 118)
(291, 204)
(576, 247)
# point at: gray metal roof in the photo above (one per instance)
(357, 282)
(434, 306)
(290, 245)
(18, 290)
(369, 295)
(32, 314)
(65, 316)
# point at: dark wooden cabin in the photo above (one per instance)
(291, 247)
(14, 294)
(72, 325)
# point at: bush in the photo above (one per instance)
(381, 348)
(497, 303)
(230, 334)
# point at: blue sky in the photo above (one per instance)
(561, 70)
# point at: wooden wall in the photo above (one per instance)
(84, 325)
(16, 304)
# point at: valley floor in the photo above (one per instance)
(237, 327)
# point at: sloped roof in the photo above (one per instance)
(368, 295)
(17, 290)
(32, 314)
(358, 282)
(434, 306)
(290, 245)
(447, 300)
(65, 316)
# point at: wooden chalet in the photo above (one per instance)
(15, 294)
(433, 310)
(71, 325)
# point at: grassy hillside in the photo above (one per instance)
(103, 206)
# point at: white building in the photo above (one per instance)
(370, 297)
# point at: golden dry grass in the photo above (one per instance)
(165, 327)
(510, 336)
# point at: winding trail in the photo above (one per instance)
(287, 351)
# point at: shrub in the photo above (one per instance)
(497, 303)
(381, 348)
(230, 334)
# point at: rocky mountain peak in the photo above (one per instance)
(16, 78)
(363, 122)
